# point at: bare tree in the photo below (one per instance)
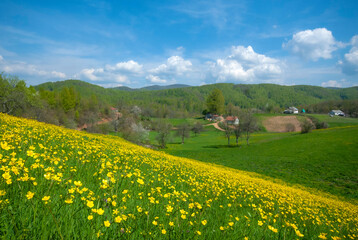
(163, 129)
(248, 123)
(237, 131)
(197, 128)
(228, 130)
(183, 131)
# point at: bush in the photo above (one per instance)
(306, 126)
(321, 125)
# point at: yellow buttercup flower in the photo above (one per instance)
(100, 211)
(90, 204)
(46, 198)
(30, 195)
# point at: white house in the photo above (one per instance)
(291, 110)
(336, 113)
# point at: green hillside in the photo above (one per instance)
(324, 159)
(192, 99)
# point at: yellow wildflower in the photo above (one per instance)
(30, 195)
(100, 211)
(107, 223)
(90, 204)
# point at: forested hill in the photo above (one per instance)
(192, 99)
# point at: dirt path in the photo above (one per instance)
(102, 121)
(216, 125)
(280, 123)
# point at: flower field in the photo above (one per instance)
(64, 184)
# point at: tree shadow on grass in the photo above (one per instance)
(221, 146)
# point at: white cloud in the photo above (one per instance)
(27, 69)
(120, 78)
(313, 44)
(116, 73)
(129, 66)
(91, 73)
(155, 79)
(350, 63)
(174, 65)
(101, 75)
(110, 85)
(245, 65)
(332, 83)
(343, 83)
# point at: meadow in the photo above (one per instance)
(323, 159)
(64, 184)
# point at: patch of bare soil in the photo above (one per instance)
(282, 124)
(216, 125)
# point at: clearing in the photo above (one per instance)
(280, 123)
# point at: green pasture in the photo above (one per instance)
(323, 159)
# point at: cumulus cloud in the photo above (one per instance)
(313, 44)
(91, 73)
(244, 64)
(27, 69)
(343, 83)
(332, 83)
(117, 73)
(120, 78)
(174, 65)
(350, 62)
(110, 85)
(58, 74)
(155, 79)
(130, 66)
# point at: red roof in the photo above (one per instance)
(230, 118)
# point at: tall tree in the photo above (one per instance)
(215, 102)
(13, 95)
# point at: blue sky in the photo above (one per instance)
(141, 43)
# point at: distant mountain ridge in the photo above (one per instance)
(153, 87)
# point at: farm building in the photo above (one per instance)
(213, 117)
(336, 113)
(291, 110)
(232, 120)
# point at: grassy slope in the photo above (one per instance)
(323, 159)
(63, 184)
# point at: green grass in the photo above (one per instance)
(335, 121)
(177, 121)
(57, 183)
(324, 159)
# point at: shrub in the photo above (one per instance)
(306, 126)
(321, 125)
